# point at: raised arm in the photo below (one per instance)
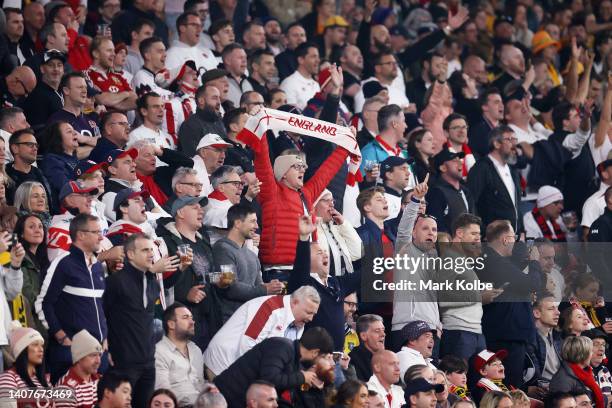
(411, 212)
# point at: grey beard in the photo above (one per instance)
(511, 159)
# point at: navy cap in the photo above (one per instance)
(76, 187)
(119, 153)
(372, 88)
(420, 385)
(414, 330)
(446, 155)
(187, 200)
(503, 19)
(595, 334)
(390, 162)
(399, 29)
(123, 195)
(53, 54)
(88, 167)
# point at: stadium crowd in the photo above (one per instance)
(196, 197)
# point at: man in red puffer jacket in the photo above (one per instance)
(284, 197)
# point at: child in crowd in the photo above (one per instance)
(455, 369)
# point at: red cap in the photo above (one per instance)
(485, 357)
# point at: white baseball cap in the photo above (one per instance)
(212, 140)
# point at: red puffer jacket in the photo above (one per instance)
(282, 206)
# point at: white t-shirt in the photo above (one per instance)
(299, 89)
(180, 52)
(594, 206)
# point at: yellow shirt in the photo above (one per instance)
(351, 340)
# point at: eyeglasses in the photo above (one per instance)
(352, 305)
(97, 232)
(464, 127)
(299, 167)
(236, 184)
(124, 124)
(512, 140)
(28, 144)
(195, 185)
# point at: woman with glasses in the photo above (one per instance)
(575, 374)
(31, 197)
(421, 148)
(32, 234)
(61, 143)
(600, 350)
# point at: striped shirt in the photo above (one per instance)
(85, 392)
(10, 382)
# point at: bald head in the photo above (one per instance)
(512, 60)
(261, 395)
(475, 68)
(385, 365)
(21, 81)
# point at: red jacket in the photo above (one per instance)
(282, 206)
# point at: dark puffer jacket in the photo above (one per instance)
(276, 360)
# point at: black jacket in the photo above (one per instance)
(43, 102)
(446, 211)
(509, 317)
(537, 353)
(331, 309)
(415, 90)
(163, 174)
(491, 195)
(195, 127)
(130, 323)
(361, 359)
(286, 62)
(276, 360)
(124, 22)
(478, 137)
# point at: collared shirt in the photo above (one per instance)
(292, 332)
(504, 172)
(409, 357)
(393, 397)
(184, 375)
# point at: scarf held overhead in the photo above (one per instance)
(270, 119)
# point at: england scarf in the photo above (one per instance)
(270, 119)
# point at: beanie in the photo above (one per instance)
(21, 337)
(548, 195)
(84, 344)
(282, 164)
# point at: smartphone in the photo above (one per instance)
(504, 285)
(337, 355)
(14, 240)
